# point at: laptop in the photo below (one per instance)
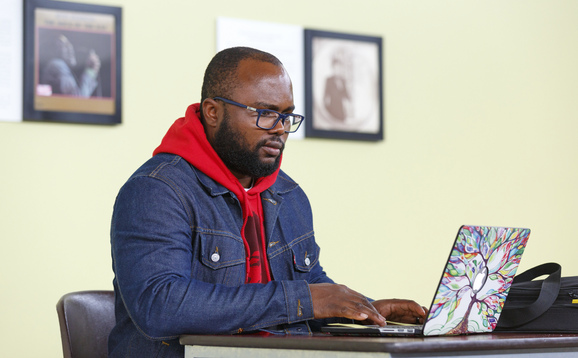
(472, 290)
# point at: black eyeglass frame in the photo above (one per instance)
(281, 116)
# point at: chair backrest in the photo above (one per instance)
(86, 318)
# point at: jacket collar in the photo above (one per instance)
(283, 184)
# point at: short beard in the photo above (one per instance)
(236, 155)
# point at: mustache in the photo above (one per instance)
(267, 141)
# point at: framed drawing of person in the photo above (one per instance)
(72, 62)
(343, 86)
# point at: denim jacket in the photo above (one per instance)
(179, 260)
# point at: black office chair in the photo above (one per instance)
(86, 318)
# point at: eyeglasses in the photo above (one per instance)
(268, 119)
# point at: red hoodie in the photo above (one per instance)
(187, 138)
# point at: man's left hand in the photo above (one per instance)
(403, 311)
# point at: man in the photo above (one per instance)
(336, 98)
(59, 75)
(210, 237)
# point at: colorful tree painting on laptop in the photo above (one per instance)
(476, 280)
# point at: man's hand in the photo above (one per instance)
(332, 300)
(405, 311)
(93, 61)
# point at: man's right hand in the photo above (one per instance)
(333, 300)
(93, 61)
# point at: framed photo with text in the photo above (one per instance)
(343, 86)
(72, 62)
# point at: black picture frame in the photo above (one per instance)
(72, 62)
(343, 86)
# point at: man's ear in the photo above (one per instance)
(210, 112)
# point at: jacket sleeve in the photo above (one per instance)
(153, 261)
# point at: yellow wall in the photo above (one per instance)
(481, 120)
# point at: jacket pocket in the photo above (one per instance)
(223, 260)
(305, 255)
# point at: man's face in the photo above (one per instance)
(246, 149)
(67, 51)
(239, 155)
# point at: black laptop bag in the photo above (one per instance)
(541, 306)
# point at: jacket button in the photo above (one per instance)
(307, 261)
(215, 257)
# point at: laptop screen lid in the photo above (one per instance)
(476, 280)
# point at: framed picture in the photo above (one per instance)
(343, 86)
(72, 62)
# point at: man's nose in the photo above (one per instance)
(279, 127)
